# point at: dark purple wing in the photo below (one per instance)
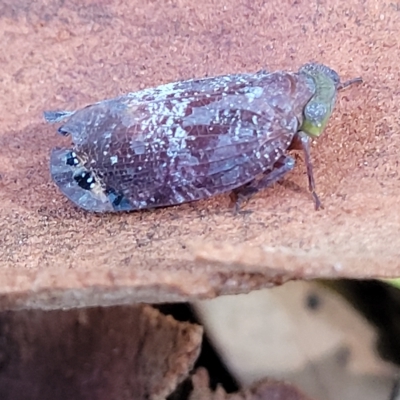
(182, 141)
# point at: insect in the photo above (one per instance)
(190, 140)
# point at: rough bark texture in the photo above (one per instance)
(66, 55)
(100, 353)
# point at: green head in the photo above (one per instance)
(318, 110)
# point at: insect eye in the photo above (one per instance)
(85, 180)
(316, 112)
(318, 69)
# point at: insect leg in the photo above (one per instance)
(270, 176)
(301, 141)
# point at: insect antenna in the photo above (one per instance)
(350, 82)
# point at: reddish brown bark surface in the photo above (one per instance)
(65, 56)
(100, 353)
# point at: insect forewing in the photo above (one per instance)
(185, 141)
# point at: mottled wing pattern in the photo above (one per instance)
(184, 141)
(63, 176)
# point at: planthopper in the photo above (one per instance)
(193, 139)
